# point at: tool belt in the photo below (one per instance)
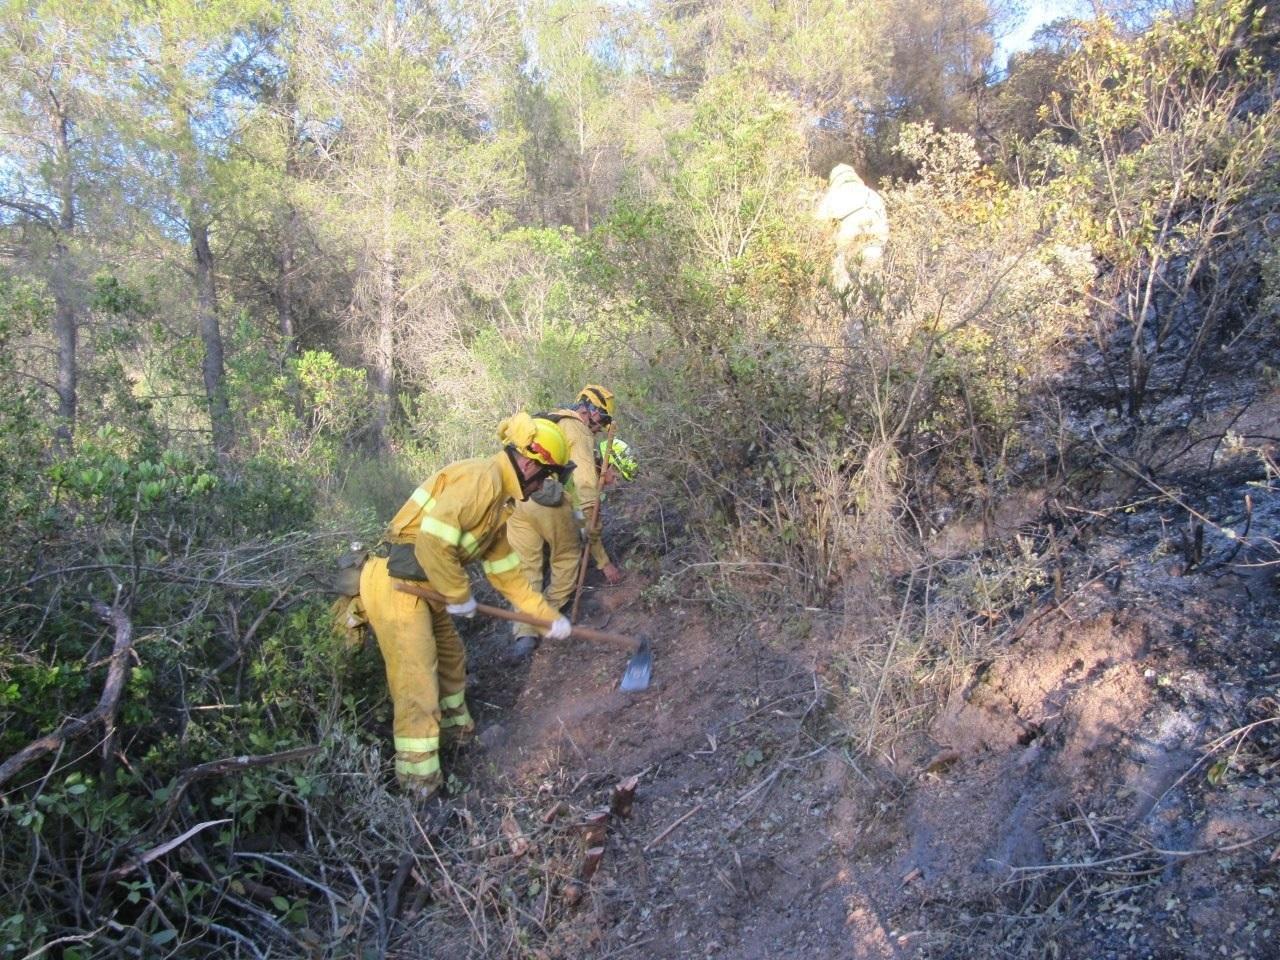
(401, 564)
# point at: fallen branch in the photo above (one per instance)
(1211, 749)
(392, 899)
(1228, 532)
(301, 877)
(157, 852)
(458, 893)
(671, 829)
(1037, 870)
(79, 938)
(218, 767)
(103, 713)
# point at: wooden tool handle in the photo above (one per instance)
(581, 633)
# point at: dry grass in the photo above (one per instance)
(910, 640)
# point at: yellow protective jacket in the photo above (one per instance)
(460, 515)
(585, 480)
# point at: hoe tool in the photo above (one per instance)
(639, 668)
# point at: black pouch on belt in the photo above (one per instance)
(402, 564)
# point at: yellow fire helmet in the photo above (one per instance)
(538, 439)
(599, 397)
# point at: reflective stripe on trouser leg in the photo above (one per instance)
(403, 625)
(455, 720)
(418, 758)
(526, 540)
(451, 668)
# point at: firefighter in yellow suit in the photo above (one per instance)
(559, 523)
(457, 516)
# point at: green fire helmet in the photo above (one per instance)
(621, 457)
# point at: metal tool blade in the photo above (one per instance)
(639, 669)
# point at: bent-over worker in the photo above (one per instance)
(457, 516)
(562, 517)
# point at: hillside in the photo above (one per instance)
(952, 510)
(1102, 784)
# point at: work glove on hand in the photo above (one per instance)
(559, 629)
(465, 609)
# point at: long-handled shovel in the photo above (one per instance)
(639, 668)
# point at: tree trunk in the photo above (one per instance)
(65, 321)
(213, 366)
(584, 175)
(284, 284)
(381, 371)
(381, 375)
(65, 324)
(292, 228)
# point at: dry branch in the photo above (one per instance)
(103, 713)
(158, 852)
(1150, 851)
(227, 765)
(671, 829)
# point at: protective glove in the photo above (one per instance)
(465, 609)
(559, 629)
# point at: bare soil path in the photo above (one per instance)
(1107, 786)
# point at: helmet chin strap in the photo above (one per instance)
(512, 454)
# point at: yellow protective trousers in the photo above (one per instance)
(528, 528)
(426, 674)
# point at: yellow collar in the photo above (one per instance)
(576, 414)
(510, 479)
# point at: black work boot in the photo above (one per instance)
(523, 648)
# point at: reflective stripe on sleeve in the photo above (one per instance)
(453, 700)
(509, 562)
(417, 744)
(422, 768)
(438, 528)
(422, 499)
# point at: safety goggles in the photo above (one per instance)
(546, 470)
(599, 412)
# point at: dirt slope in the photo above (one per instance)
(1105, 786)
